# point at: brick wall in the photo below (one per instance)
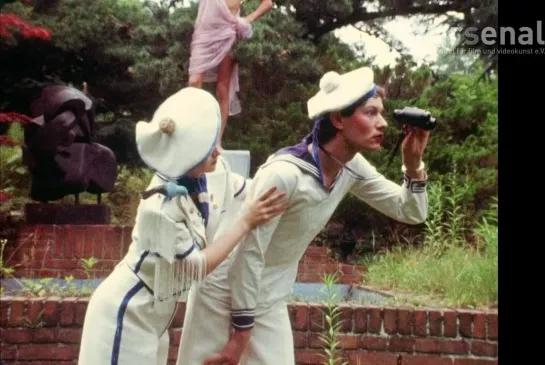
(56, 251)
(371, 335)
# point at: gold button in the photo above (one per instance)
(215, 206)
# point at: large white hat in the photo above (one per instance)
(340, 91)
(182, 133)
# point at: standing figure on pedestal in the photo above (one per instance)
(217, 28)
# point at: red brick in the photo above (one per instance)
(16, 335)
(16, 316)
(69, 335)
(420, 322)
(47, 352)
(111, 249)
(455, 347)
(428, 345)
(51, 311)
(45, 335)
(374, 343)
(318, 268)
(60, 239)
(360, 320)
(126, 241)
(64, 264)
(68, 243)
(306, 357)
(178, 320)
(316, 250)
(8, 352)
(350, 279)
(78, 238)
(450, 328)
(309, 277)
(375, 320)
(104, 265)
(175, 336)
(346, 269)
(94, 238)
(492, 326)
(315, 260)
(316, 317)
(373, 358)
(390, 320)
(45, 232)
(67, 311)
(34, 310)
(4, 310)
(172, 353)
(479, 326)
(349, 341)
(482, 348)
(42, 254)
(404, 321)
(80, 310)
(401, 344)
(299, 316)
(425, 360)
(465, 319)
(475, 362)
(300, 339)
(346, 314)
(46, 273)
(360, 269)
(316, 340)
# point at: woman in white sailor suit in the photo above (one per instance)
(129, 314)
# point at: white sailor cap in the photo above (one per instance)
(182, 133)
(338, 91)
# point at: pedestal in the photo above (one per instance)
(67, 213)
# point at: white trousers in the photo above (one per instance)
(121, 325)
(207, 328)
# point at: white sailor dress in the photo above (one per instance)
(226, 194)
(129, 314)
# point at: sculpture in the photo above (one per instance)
(59, 150)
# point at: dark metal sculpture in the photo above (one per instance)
(59, 149)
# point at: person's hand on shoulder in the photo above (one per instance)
(265, 207)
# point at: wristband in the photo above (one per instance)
(420, 168)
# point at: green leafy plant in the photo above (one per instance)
(331, 336)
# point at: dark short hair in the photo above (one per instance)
(326, 129)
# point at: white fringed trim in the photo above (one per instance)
(158, 233)
(173, 279)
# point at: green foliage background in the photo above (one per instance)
(133, 54)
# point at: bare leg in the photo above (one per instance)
(196, 80)
(222, 91)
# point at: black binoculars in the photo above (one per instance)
(416, 117)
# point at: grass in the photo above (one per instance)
(445, 269)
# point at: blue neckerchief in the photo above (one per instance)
(197, 186)
(300, 151)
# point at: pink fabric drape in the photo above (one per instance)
(216, 31)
